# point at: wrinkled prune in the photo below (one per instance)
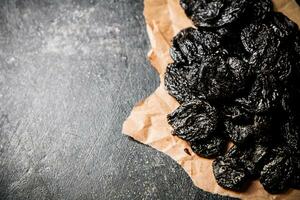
(282, 26)
(214, 13)
(295, 179)
(236, 115)
(251, 158)
(277, 173)
(194, 121)
(260, 9)
(180, 81)
(229, 173)
(256, 38)
(210, 147)
(257, 130)
(264, 96)
(290, 132)
(222, 77)
(190, 44)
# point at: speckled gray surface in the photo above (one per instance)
(70, 72)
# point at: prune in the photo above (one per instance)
(229, 173)
(290, 132)
(282, 26)
(260, 9)
(257, 130)
(214, 13)
(236, 115)
(180, 81)
(194, 121)
(258, 38)
(277, 173)
(222, 77)
(263, 97)
(295, 179)
(283, 68)
(190, 44)
(251, 157)
(214, 77)
(210, 147)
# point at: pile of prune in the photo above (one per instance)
(236, 75)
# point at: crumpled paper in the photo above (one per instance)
(147, 122)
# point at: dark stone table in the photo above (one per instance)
(70, 73)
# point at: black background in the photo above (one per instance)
(70, 73)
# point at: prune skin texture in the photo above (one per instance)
(229, 173)
(281, 25)
(215, 77)
(290, 132)
(180, 80)
(257, 130)
(295, 180)
(252, 158)
(222, 77)
(276, 174)
(210, 147)
(213, 13)
(191, 44)
(194, 121)
(260, 10)
(264, 96)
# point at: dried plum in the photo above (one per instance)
(282, 26)
(290, 132)
(190, 44)
(194, 121)
(260, 10)
(214, 13)
(180, 81)
(229, 173)
(210, 147)
(257, 130)
(276, 174)
(295, 179)
(264, 96)
(251, 157)
(222, 77)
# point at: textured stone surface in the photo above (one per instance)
(70, 72)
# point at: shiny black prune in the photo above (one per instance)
(191, 44)
(214, 77)
(281, 25)
(181, 80)
(222, 77)
(261, 41)
(276, 174)
(236, 115)
(209, 147)
(194, 121)
(213, 13)
(260, 9)
(263, 97)
(229, 173)
(290, 132)
(295, 179)
(257, 129)
(251, 157)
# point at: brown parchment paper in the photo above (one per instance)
(147, 122)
